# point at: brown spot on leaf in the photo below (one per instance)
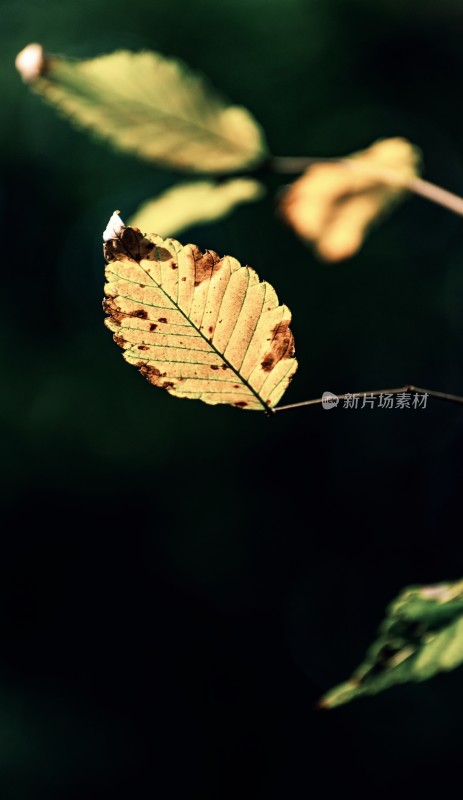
(118, 316)
(162, 319)
(224, 366)
(214, 366)
(184, 278)
(140, 313)
(138, 247)
(205, 264)
(153, 326)
(281, 346)
(113, 310)
(111, 250)
(240, 404)
(151, 373)
(267, 363)
(168, 385)
(162, 254)
(211, 328)
(129, 244)
(119, 339)
(143, 347)
(107, 303)
(174, 266)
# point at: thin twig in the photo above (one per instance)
(450, 398)
(437, 195)
(294, 165)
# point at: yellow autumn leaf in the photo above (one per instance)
(150, 105)
(200, 326)
(334, 203)
(189, 204)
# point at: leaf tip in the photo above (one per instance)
(114, 227)
(31, 62)
(340, 695)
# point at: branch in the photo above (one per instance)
(450, 398)
(449, 200)
(437, 195)
(294, 165)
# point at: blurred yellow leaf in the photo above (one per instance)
(334, 203)
(150, 105)
(195, 203)
(200, 326)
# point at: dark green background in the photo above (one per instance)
(178, 583)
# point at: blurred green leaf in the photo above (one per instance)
(189, 204)
(150, 105)
(421, 635)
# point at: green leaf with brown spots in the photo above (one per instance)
(421, 635)
(195, 203)
(200, 326)
(150, 105)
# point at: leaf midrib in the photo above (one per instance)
(91, 93)
(198, 330)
